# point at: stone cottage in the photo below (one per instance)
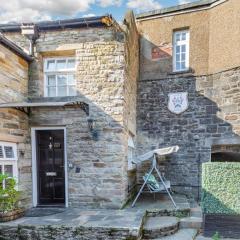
(68, 110)
(188, 91)
(92, 94)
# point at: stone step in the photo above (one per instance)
(191, 222)
(155, 227)
(196, 212)
(201, 237)
(182, 234)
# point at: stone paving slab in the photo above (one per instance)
(113, 224)
(162, 201)
(90, 218)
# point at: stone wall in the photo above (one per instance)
(130, 92)
(64, 232)
(223, 35)
(14, 123)
(211, 40)
(212, 118)
(106, 84)
(157, 33)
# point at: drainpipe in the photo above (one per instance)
(30, 31)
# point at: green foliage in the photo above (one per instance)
(221, 184)
(9, 196)
(216, 236)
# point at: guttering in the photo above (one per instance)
(179, 9)
(14, 48)
(101, 21)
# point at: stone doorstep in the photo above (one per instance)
(160, 226)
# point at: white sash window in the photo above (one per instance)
(60, 77)
(181, 51)
(8, 159)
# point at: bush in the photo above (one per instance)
(221, 188)
(9, 196)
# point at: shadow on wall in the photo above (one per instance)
(156, 61)
(103, 178)
(212, 118)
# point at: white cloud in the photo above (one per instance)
(89, 15)
(183, 1)
(143, 5)
(35, 10)
(107, 3)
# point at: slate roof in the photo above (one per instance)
(100, 21)
(14, 48)
(182, 7)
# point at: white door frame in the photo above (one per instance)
(34, 163)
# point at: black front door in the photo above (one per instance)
(50, 165)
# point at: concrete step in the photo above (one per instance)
(155, 227)
(191, 222)
(182, 234)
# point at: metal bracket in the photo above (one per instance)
(26, 110)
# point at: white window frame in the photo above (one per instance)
(69, 71)
(131, 149)
(9, 161)
(176, 43)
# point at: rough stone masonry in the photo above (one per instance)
(212, 83)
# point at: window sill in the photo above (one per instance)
(189, 71)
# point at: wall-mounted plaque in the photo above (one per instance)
(178, 102)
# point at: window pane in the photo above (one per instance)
(178, 49)
(177, 65)
(62, 80)
(183, 48)
(62, 91)
(51, 91)
(183, 36)
(72, 91)
(9, 152)
(1, 152)
(71, 79)
(50, 64)
(183, 55)
(71, 63)
(61, 64)
(183, 65)
(8, 169)
(51, 80)
(177, 57)
(177, 37)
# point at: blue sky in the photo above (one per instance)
(119, 11)
(38, 10)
